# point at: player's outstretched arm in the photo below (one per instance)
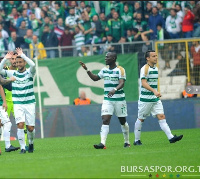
(91, 75)
(6, 81)
(28, 60)
(146, 85)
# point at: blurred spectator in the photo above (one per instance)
(91, 12)
(187, 25)
(25, 18)
(195, 53)
(137, 9)
(136, 34)
(28, 37)
(21, 32)
(86, 23)
(26, 7)
(15, 42)
(3, 45)
(71, 20)
(142, 48)
(110, 16)
(36, 10)
(82, 100)
(66, 40)
(173, 24)
(36, 49)
(48, 22)
(85, 51)
(13, 16)
(129, 37)
(43, 14)
(196, 32)
(103, 24)
(116, 27)
(179, 11)
(181, 67)
(139, 23)
(148, 11)
(155, 19)
(79, 38)
(49, 39)
(3, 32)
(82, 7)
(107, 47)
(127, 18)
(191, 4)
(186, 95)
(59, 11)
(35, 25)
(8, 7)
(162, 11)
(59, 28)
(98, 30)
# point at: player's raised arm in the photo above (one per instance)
(28, 60)
(91, 75)
(8, 56)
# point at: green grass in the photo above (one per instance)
(75, 157)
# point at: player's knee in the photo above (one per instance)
(122, 120)
(161, 116)
(106, 121)
(20, 125)
(30, 128)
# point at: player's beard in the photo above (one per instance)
(21, 69)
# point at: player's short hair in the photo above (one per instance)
(15, 53)
(113, 54)
(147, 53)
(18, 57)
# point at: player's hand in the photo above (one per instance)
(12, 78)
(83, 65)
(5, 106)
(9, 55)
(157, 94)
(111, 93)
(19, 51)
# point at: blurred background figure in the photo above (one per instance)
(82, 100)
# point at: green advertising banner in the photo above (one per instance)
(62, 79)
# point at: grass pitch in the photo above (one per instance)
(75, 157)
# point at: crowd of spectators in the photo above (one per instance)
(30, 24)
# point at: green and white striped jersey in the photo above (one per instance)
(22, 87)
(79, 40)
(151, 75)
(111, 80)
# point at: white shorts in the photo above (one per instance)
(25, 113)
(147, 108)
(109, 107)
(3, 116)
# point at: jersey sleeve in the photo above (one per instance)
(143, 75)
(122, 73)
(100, 74)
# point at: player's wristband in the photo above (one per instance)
(87, 70)
(115, 89)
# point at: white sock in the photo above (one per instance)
(164, 126)
(6, 134)
(31, 136)
(137, 130)
(21, 138)
(104, 133)
(125, 130)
